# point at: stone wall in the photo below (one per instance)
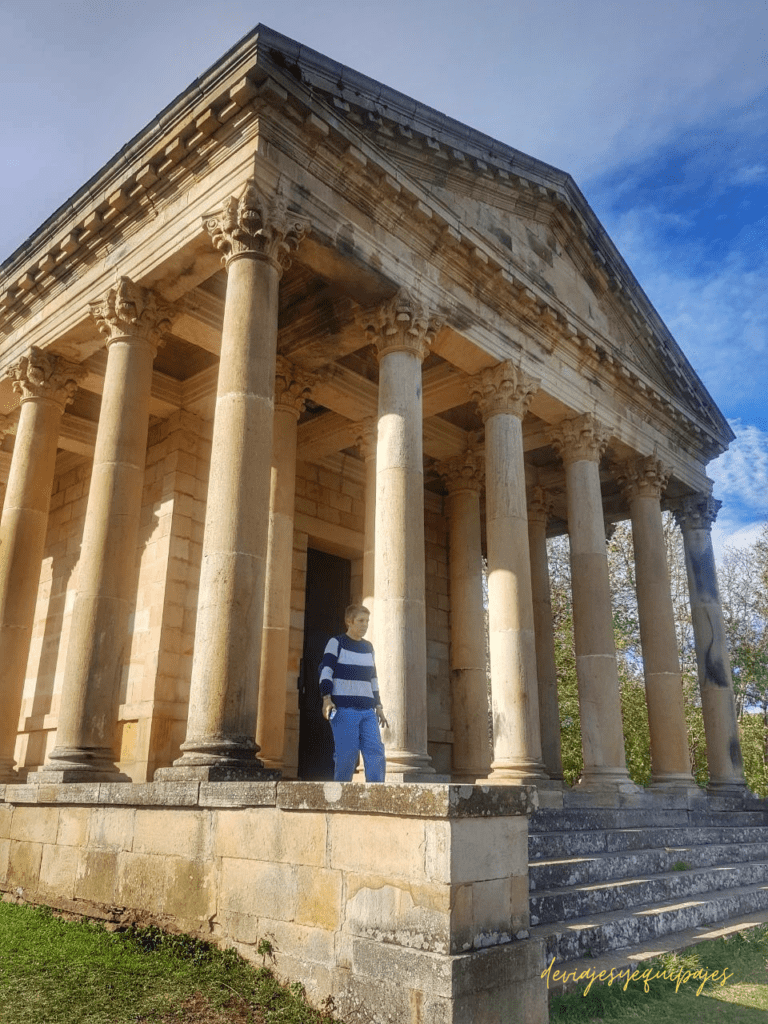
(404, 899)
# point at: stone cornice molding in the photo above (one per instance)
(293, 386)
(464, 472)
(129, 310)
(257, 226)
(641, 477)
(503, 388)
(580, 439)
(696, 511)
(540, 506)
(41, 374)
(403, 324)
(366, 437)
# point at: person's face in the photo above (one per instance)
(358, 627)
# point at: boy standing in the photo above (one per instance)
(350, 692)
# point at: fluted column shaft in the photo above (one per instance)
(580, 443)
(46, 384)
(503, 394)
(694, 516)
(402, 331)
(255, 234)
(546, 666)
(133, 321)
(291, 388)
(642, 481)
(469, 688)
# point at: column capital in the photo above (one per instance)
(464, 472)
(403, 324)
(40, 374)
(129, 310)
(641, 477)
(292, 386)
(366, 437)
(256, 225)
(540, 506)
(696, 511)
(503, 388)
(580, 439)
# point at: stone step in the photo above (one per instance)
(578, 901)
(589, 819)
(562, 872)
(578, 843)
(601, 932)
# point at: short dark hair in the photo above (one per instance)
(353, 610)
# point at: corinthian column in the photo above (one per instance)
(580, 442)
(463, 475)
(546, 667)
(292, 387)
(503, 394)
(255, 233)
(695, 515)
(642, 480)
(402, 331)
(133, 321)
(46, 384)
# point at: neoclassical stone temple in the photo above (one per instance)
(305, 340)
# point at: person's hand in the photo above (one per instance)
(381, 718)
(328, 707)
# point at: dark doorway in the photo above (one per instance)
(328, 581)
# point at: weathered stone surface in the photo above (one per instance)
(426, 800)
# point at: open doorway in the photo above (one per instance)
(328, 588)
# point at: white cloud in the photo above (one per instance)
(741, 474)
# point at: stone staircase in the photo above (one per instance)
(605, 880)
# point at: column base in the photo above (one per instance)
(253, 772)
(74, 764)
(413, 775)
(677, 787)
(521, 773)
(606, 787)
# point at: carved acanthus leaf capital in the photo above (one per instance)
(580, 439)
(130, 311)
(641, 477)
(257, 225)
(366, 437)
(503, 388)
(464, 472)
(541, 506)
(40, 374)
(293, 386)
(403, 324)
(696, 511)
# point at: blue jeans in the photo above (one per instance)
(356, 732)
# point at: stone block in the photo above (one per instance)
(268, 834)
(173, 832)
(142, 881)
(24, 865)
(259, 888)
(96, 876)
(111, 828)
(388, 846)
(319, 898)
(35, 824)
(5, 852)
(237, 794)
(6, 815)
(191, 894)
(58, 870)
(73, 826)
(404, 914)
(476, 849)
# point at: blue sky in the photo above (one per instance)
(658, 108)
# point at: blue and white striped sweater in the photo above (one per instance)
(348, 673)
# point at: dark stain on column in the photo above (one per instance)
(703, 565)
(735, 752)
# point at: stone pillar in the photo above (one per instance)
(292, 386)
(503, 394)
(366, 444)
(46, 384)
(580, 442)
(256, 234)
(642, 480)
(463, 475)
(402, 331)
(133, 320)
(695, 515)
(546, 666)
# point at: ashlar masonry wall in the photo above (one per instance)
(409, 900)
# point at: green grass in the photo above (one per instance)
(57, 972)
(740, 959)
